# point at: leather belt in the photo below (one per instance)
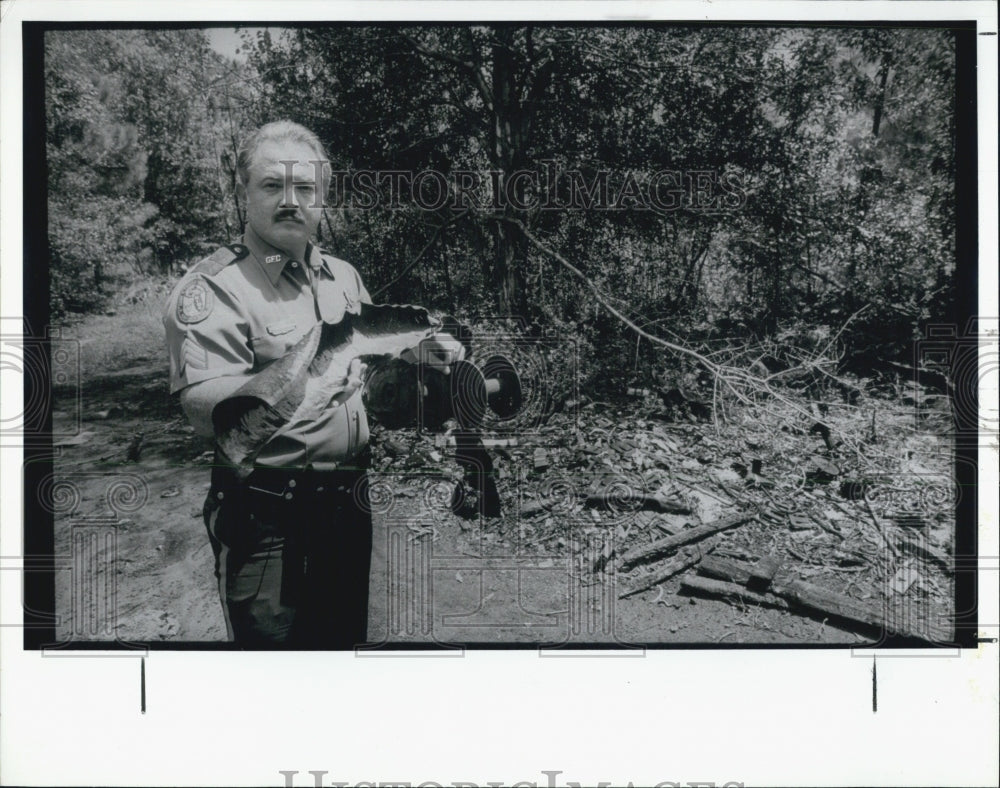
(280, 487)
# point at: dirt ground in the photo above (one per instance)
(450, 581)
(130, 477)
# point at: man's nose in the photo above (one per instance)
(289, 199)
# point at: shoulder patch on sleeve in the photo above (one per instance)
(220, 258)
(195, 301)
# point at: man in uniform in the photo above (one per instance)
(292, 541)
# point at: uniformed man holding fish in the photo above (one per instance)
(291, 533)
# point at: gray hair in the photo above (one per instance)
(277, 131)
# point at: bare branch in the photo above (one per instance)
(434, 54)
(433, 239)
(736, 381)
(464, 66)
(602, 299)
(477, 70)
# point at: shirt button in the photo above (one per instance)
(288, 496)
(294, 264)
(319, 489)
(220, 495)
(291, 483)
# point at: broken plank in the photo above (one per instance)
(844, 607)
(731, 592)
(727, 569)
(670, 543)
(685, 559)
(763, 573)
(500, 443)
(612, 498)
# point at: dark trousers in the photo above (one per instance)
(292, 556)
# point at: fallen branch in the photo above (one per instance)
(927, 551)
(709, 365)
(668, 544)
(880, 527)
(819, 601)
(925, 377)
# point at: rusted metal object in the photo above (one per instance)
(396, 393)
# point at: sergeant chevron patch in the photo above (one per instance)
(195, 356)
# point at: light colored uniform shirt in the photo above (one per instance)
(235, 318)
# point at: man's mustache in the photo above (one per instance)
(288, 215)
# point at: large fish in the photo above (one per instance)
(278, 395)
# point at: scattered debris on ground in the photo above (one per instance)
(786, 518)
(848, 520)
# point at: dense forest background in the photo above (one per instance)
(840, 143)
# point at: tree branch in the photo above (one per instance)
(433, 239)
(464, 66)
(435, 54)
(602, 299)
(477, 70)
(729, 376)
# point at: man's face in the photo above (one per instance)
(283, 199)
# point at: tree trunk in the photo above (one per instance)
(446, 272)
(508, 152)
(508, 271)
(880, 97)
(774, 306)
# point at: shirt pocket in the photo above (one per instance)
(275, 341)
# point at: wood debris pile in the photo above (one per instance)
(849, 518)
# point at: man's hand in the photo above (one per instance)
(199, 399)
(438, 352)
(355, 379)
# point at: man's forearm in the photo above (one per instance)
(199, 399)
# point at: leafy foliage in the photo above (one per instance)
(134, 136)
(826, 156)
